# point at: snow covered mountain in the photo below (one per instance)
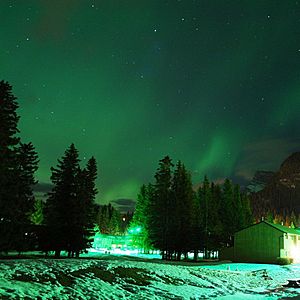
(259, 181)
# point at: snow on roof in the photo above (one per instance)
(279, 227)
(284, 229)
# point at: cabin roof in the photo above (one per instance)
(279, 227)
(284, 228)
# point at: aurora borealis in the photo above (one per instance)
(212, 83)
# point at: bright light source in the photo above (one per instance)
(295, 254)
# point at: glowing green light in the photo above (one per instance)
(135, 230)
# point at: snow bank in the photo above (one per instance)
(115, 277)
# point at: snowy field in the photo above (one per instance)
(124, 277)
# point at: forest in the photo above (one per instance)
(171, 215)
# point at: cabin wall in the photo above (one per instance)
(258, 243)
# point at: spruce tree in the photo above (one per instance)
(182, 207)
(247, 211)
(70, 209)
(103, 219)
(140, 222)
(160, 210)
(227, 212)
(204, 195)
(27, 165)
(18, 162)
(37, 216)
(238, 213)
(85, 210)
(8, 142)
(215, 222)
(60, 208)
(109, 220)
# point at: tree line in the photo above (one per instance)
(170, 215)
(111, 222)
(67, 218)
(175, 219)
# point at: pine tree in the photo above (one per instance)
(247, 211)
(159, 208)
(227, 212)
(238, 213)
(37, 216)
(182, 204)
(103, 219)
(8, 142)
(85, 209)
(18, 162)
(140, 222)
(109, 220)
(115, 222)
(215, 221)
(293, 219)
(197, 239)
(204, 195)
(269, 217)
(27, 163)
(60, 213)
(70, 210)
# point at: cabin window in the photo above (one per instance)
(298, 238)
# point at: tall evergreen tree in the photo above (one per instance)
(60, 213)
(27, 165)
(37, 216)
(160, 208)
(181, 217)
(109, 220)
(8, 142)
(227, 212)
(247, 211)
(204, 196)
(140, 222)
(238, 213)
(18, 162)
(214, 219)
(85, 209)
(70, 209)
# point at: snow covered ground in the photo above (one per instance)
(124, 277)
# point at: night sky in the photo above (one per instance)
(215, 84)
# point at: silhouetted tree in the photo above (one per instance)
(247, 211)
(160, 208)
(139, 225)
(69, 210)
(227, 212)
(59, 214)
(204, 195)
(109, 220)
(85, 210)
(182, 211)
(18, 162)
(37, 215)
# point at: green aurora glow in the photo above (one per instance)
(213, 83)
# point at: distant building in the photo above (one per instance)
(111, 242)
(264, 242)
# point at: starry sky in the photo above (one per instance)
(215, 84)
